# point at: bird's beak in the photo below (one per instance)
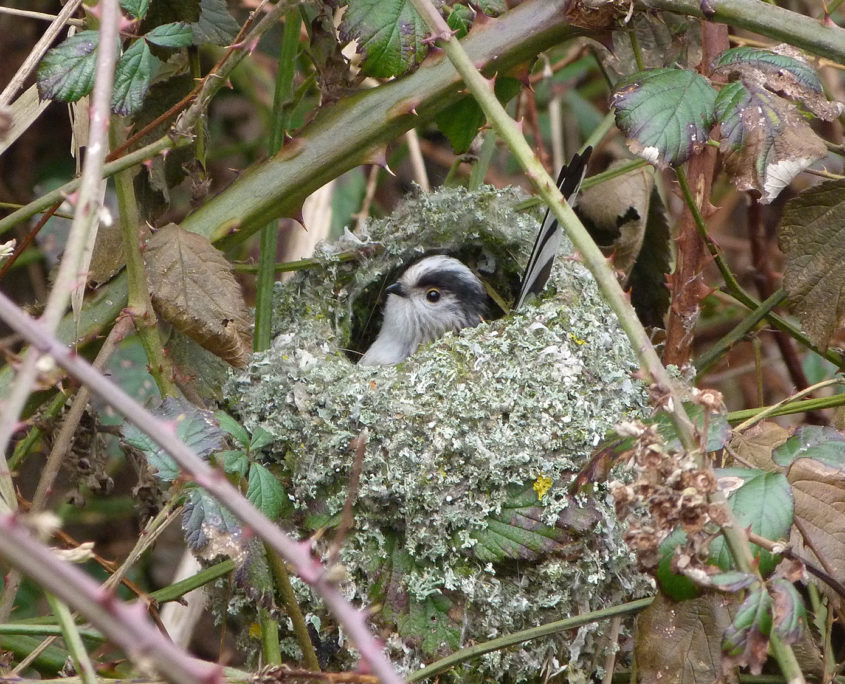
(396, 288)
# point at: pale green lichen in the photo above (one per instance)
(452, 432)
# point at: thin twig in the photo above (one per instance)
(359, 446)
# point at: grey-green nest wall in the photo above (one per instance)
(452, 541)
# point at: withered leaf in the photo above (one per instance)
(819, 535)
(192, 287)
(767, 140)
(782, 70)
(812, 235)
(755, 445)
(681, 642)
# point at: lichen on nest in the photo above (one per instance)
(451, 539)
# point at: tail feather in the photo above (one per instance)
(548, 238)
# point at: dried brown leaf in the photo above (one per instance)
(681, 642)
(812, 235)
(192, 287)
(755, 445)
(819, 535)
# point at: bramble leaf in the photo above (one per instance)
(174, 35)
(819, 442)
(518, 531)
(67, 71)
(215, 25)
(390, 35)
(132, 77)
(768, 141)
(137, 8)
(666, 114)
(765, 504)
(812, 235)
(195, 427)
(192, 286)
(265, 492)
(746, 641)
(460, 121)
(210, 529)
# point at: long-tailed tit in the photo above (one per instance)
(439, 293)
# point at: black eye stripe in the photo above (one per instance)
(446, 280)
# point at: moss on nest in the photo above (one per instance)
(450, 538)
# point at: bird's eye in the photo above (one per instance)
(432, 295)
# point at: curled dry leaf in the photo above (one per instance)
(192, 287)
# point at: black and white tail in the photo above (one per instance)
(548, 238)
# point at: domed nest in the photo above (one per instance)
(463, 526)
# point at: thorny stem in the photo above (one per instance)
(591, 256)
(128, 626)
(212, 480)
(736, 290)
(138, 306)
(270, 232)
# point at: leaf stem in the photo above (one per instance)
(138, 306)
(270, 232)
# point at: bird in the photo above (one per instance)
(439, 293)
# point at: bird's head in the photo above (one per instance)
(432, 297)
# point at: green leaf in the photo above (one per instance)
(718, 428)
(132, 77)
(215, 25)
(67, 71)
(790, 615)
(137, 8)
(460, 20)
(128, 368)
(235, 462)
(205, 522)
(819, 442)
(676, 586)
(195, 427)
(492, 8)
(265, 492)
(390, 34)
(175, 35)
(518, 531)
(233, 427)
(429, 622)
(666, 114)
(460, 121)
(745, 641)
(170, 11)
(811, 233)
(260, 439)
(765, 504)
(732, 581)
(768, 141)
